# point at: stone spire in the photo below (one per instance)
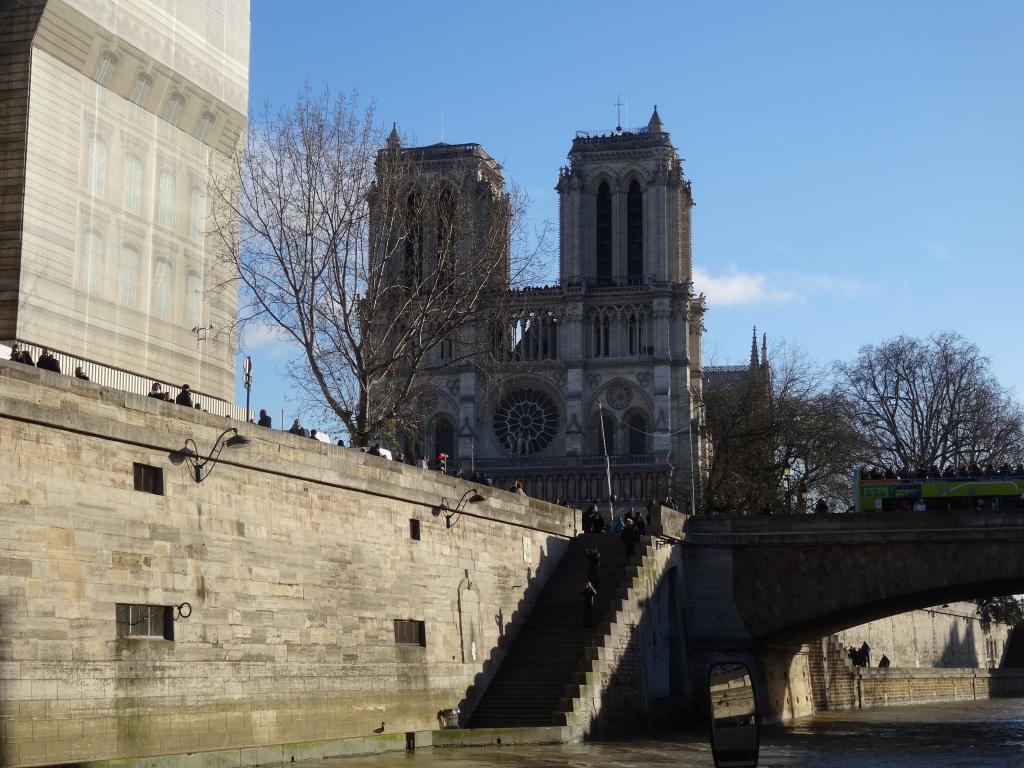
(753, 350)
(764, 350)
(654, 125)
(394, 140)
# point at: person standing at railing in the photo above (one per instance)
(48, 362)
(184, 396)
(265, 420)
(80, 373)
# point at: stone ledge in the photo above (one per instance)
(297, 752)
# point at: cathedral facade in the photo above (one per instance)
(596, 384)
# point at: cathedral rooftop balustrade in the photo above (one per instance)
(577, 283)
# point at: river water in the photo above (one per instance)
(977, 734)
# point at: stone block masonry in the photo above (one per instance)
(296, 557)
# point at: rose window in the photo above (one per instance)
(525, 422)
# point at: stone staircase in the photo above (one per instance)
(833, 676)
(540, 663)
(560, 673)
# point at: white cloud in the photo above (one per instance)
(268, 340)
(739, 288)
(735, 287)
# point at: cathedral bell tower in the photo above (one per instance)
(625, 210)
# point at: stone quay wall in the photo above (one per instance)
(838, 685)
(296, 557)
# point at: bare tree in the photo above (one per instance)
(377, 261)
(764, 419)
(923, 402)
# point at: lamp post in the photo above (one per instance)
(787, 475)
(247, 381)
(198, 462)
(471, 496)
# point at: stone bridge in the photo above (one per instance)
(759, 587)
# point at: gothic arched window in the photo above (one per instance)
(637, 428)
(635, 233)
(606, 439)
(603, 239)
(446, 236)
(444, 438)
(413, 267)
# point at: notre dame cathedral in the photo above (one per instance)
(605, 364)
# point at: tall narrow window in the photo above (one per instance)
(197, 218)
(604, 435)
(445, 237)
(603, 241)
(132, 184)
(637, 426)
(96, 182)
(138, 96)
(635, 234)
(104, 72)
(92, 264)
(194, 300)
(204, 130)
(444, 438)
(163, 285)
(128, 282)
(165, 212)
(172, 115)
(413, 267)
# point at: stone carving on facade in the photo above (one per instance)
(453, 386)
(594, 380)
(643, 377)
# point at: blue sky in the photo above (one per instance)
(857, 167)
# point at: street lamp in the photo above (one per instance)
(471, 496)
(198, 462)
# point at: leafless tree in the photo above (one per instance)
(923, 402)
(378, 263)
(762, 420)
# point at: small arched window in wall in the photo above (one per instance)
(128, 279)
(635, 234)
(603, 235)
(163, 287)
(637, 437)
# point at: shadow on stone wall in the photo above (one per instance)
(1013, 653)
(959, 653)
(509, 626)
(627, 706)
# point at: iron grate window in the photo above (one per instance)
(410, 632)
(149, 479)
(150, 621)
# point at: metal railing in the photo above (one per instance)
(126, 381)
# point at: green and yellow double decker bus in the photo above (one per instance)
(940, 494)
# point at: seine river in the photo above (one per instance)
(982, 734)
